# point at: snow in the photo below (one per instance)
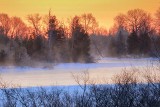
(61, 74)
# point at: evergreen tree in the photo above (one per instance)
(38, 44)
(56, 40)
(52, 35)
(29, 46)
(52, 32)
(112, 46)
(133, 43)
(145, 43)
(121, 48)
(80, 42)
(62, 45)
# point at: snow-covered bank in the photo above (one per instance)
(61, 74)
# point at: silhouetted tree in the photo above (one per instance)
(56, 41)
(52, 35)
(89, 23)
(112, 46)
(3, 55)
(144, 43)
(121, 40)
(36, 47)
(133, 43)
(120, 21)
(157, 21)
(5, 23)
(35, 21)
(155, 46)
(80, 42)
(29, 46)
(18, 27)
(62, 45)
(38, 43)
(3, 38)
(52, 32)
(137, 19)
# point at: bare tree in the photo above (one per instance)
(89, 23)
(5, 23)
(157, 21)
(18, 27)
(35, 21)
(83, 81)
(137, 19)
(121, 21)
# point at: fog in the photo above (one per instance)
(62, 74)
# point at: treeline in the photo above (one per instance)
(135, 33)
(127, 92)
(51, 44)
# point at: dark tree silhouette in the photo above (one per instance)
(133, 43)
(145, 43)
(29, 46)
(80, 42)
(38, 43)
(5, 23)
(52, 32)
(3, 55)
(157, 21)
(56, 40)
(121, 45)
(3, 38)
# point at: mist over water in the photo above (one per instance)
(61, 74)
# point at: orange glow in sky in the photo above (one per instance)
(103, 10)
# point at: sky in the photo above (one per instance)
(103, 10)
